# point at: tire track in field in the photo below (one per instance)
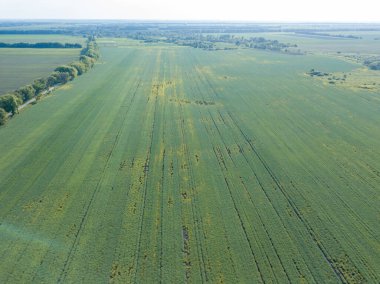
(67, 150)
(197, 218)
(154, 92)
(162, 183)
(51, 245)
(223, 168)
(296, 211)
(81, 102)
(336, 271)
(73, 248)
(119, 254)
(333, 238)
(274, 178)
(145, 175)
(126, 103)
(254, 206)
(340, 275)
(262, 188)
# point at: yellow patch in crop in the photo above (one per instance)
(266, 62)
(65, 87)
(356, 80)
(250, 59)
(206, 70)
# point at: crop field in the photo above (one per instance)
(169, 164)
(368, 44)
(20, 66)
(14, 38)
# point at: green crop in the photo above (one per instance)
(172, 164)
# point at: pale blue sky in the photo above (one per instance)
(231, 10)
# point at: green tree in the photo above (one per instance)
(26, 93)
(67, 69)
(3, 116)
(88, 61)
(63, 77)
(39, 85)
(9, 103)
(79, 66)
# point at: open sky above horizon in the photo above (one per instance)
(216, 10)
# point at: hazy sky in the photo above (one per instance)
(230, 10)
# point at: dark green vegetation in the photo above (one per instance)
(3, 116)
(174, 164)
(212, 42)
(40, 45)
(9, 104)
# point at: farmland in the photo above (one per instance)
(20, 67)
(173, 164)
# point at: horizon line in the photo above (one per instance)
(192, 21)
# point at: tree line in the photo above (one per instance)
(40, 45)
(62, 74)
(209, 42)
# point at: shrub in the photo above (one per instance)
(3, 116)
(9, 103)
(26, 93)
(67, 69)
(79, 66)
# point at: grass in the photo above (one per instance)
(172, 164)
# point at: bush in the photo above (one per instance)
(39, 85)
(58, 78)
(3, 116)
(88, 61)
(9, 103)
(79, 66)
(67, 69)
(26, 93)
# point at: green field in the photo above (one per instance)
(169, 164)
(42, 38)
(322, 44)
(20, 67)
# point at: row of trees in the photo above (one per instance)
(319, 34)
(40, 45)
(9, 103)
(209, 42)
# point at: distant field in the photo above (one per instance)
(20, 67)
(42, 38)
(318, 44)
(177, 165)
